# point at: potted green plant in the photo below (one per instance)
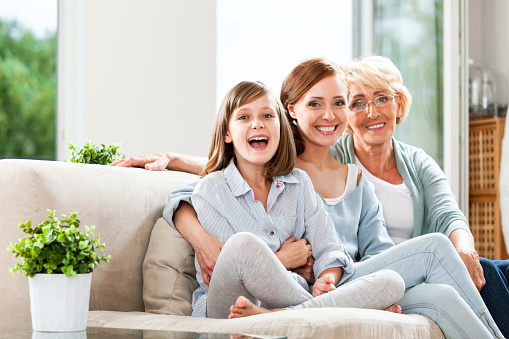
(91, 153)
(58, 260)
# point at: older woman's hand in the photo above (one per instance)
(471, 260)
(464, 244)
(152, 162)
(164, 160)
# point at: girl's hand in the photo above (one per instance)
(306, 271)
(293, 254)
(324, 285)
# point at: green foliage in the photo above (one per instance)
(27, 93)
(93, 154)
(57, 246)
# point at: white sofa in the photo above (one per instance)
(150, 278)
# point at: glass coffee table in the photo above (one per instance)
(24, 331)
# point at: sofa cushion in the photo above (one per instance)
(168, 272)
(325, 322)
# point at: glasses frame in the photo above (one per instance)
(374, 102)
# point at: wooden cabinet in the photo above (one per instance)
(485, 146)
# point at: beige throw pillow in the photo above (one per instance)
(169, 275)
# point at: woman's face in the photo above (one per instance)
(322, 112)
(254, 131)
(375, 125)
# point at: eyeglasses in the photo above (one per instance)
(361, 105)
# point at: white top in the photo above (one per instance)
(351, 184)
(397, 206)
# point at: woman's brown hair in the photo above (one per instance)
(300, 80)
(221, 153)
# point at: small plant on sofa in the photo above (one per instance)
(93, 154)
(56, 246)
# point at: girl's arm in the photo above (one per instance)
(164, 160)
(327, 281)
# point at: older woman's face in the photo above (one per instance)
(375, 125)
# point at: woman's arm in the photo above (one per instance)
(164, 160)
(206, 247)
(444, 216)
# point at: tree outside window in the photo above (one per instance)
(27, 92)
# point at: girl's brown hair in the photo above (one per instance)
(221, 153)
(300, 80)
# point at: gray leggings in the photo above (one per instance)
(247, 267)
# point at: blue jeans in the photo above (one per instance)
(496, 291)
(437, 286)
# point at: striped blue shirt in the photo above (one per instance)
(225, 205)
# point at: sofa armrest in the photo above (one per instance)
(123, 204)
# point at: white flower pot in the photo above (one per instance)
(59, 303)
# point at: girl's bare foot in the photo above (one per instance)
(244, 307)
(394, 308)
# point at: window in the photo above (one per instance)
(28, 78)
(264, 39)
(410, 33)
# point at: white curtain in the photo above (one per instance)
(504, 184)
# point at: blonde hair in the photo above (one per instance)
(379, 72)
(300, 80)
(221, 153)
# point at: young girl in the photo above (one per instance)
(252, 200)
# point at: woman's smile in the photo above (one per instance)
(327, 129)
(376, 126)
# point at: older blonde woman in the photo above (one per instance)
(410, 185)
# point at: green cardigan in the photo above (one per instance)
(435, 207)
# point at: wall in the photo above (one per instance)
(137, 72)
(488, 38)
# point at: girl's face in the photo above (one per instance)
(375, 125)
(254, 131)
(322, 112)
